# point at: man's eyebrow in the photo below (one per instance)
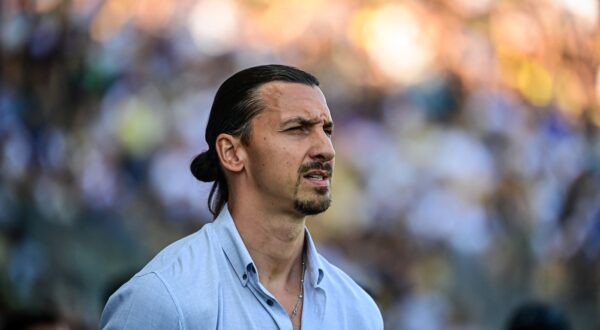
(306, 122)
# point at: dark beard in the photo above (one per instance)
(312, 207)
(319, 204)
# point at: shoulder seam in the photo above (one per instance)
(189, 240)
(169, 291)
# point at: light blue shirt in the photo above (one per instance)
(208, 281)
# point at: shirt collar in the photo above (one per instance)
(233, 246)
(240, 258)
(314, 267)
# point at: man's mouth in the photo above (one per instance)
(318, 178)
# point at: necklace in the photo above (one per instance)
(301, 294)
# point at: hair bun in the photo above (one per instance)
(204, 167)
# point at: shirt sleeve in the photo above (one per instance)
(142, 303)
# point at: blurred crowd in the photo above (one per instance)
(467, 140)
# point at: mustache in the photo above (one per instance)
(316, 166)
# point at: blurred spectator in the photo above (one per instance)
(29, 320)
(537, 316)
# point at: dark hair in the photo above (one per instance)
(234, 106)
(536, 315)
(30, 318)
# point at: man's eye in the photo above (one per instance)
(329, 132)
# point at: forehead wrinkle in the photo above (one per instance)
(272, 96)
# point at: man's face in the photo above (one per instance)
(290, 153)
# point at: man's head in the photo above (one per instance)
(536, 315)
(271, 124)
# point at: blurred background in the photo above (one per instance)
(467, 135)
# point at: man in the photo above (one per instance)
(534, 315)
(256, 266)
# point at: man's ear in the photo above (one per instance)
(231, 152)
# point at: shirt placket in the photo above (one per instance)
(269, 303)
(313, 308)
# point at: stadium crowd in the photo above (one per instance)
(467, 140)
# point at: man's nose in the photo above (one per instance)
(322, 147)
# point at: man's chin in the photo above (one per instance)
(312, 207)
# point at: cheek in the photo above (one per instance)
(285, 164)
(273, 160)
(277, 158)
(286, 157)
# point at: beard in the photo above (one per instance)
(313, 206)
(316, 204)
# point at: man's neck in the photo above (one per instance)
(275, 241)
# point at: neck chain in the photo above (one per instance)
(301, 294)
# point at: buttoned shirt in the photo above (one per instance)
(208, 281)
